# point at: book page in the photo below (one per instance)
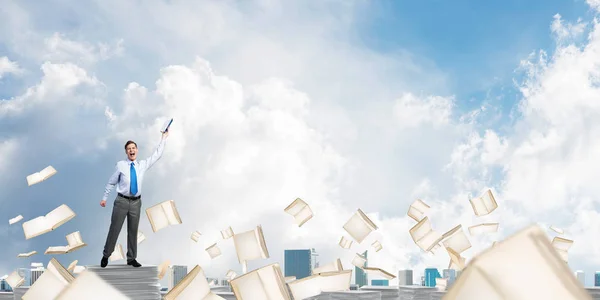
(46, 287)
(140, 237)
(247, 246)
(78, 269)
(157, 217)
(195, 236)
(303, 216)
(334, 266)
(14, 280)
(345, 243)
(417, 210)
(547, 276)
(57, 250)
(163, 268)
(59, 216)
(72, 265)
(15, 220)
(227, 233)
(117, 253)
(28, 254)
(456, 239)
(306, 287)
(295, 207)
(359, 226)
(61, 273)
(36, 227)
(230, 274)
(193, 286)
(74, 239)
(359, 261)
(424, 236)
(441, 283)
(213, 251)
(171, 212)
(483, 228)
(86, 286)
(557, 230)
(377, 245)
(457, 262)
(248, 287)
(562, 243)
(485, 204)
(273, 282)
(335, 281)
(47, 172)
(34, 178)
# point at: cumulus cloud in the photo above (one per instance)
(565, 31)
(413, 111)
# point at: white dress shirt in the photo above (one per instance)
(121, 177)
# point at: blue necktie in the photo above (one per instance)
(133, 180)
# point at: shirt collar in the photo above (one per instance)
(135, 162)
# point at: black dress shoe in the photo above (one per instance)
(104, 262)
(134, 263)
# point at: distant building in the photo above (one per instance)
(380, 282)
(224, 282)
(597, 278)
(35, 274)
(580, 276)
(360, 276)
(4, 286)
(405, 277)
(298, 263)
(176, 274)
(450, 274)
(422, 280)
(25, 273)
(430, 275)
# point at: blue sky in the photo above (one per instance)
(350, 106)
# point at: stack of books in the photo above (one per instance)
(387, 292)
(437, 295)
(593, 291)
(6, 296)
(415, 292)
(135, 283)
(19, 292)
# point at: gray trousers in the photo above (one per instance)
(123, 208)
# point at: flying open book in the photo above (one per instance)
(456, 239)
(162, 215)
(250, 245)
(49, 222)
(195, 236)
(140, 237)
(166, 126)
(378, 272)
(300, 211)
(28, 254)
(227, 233)
(40, 176)
(90, 286)
(334, 266)
(497, 272)
(52, 281)
(417, 210)
(485, 204)
(117, 254)
(345, 243)
(483, 228)
(74, 243)
(377, 245)
(72, 266)
(230, 274)
(322, 282)
(14, 280)
(359, 226)
(194, 286)
(266, 283)
(214, 251)
(15, 220)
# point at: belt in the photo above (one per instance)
(129, 197)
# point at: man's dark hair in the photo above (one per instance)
(130, 142)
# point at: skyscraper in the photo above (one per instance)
(298, 263)
(580, 276)
(176, 273)
(4, 287)
(405, 277)
(597, 278)
(450, 274)
(35, 274)
(430, 275)
(360, 276)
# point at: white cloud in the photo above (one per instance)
(564, 32)
(60, 49)
(8, 67)
(412, 111)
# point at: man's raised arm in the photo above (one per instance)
(157, 152)
(112, 181)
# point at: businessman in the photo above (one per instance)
(128, 177)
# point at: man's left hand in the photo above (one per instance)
(165, 134)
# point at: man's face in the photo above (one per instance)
(131, 151)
